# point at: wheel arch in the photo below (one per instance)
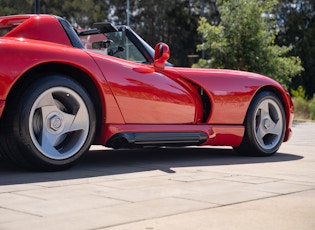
(271, 89)
(286, 103)
(83, 78)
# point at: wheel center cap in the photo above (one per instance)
(55, 122)
(267, 123)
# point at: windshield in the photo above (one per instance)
(115, 44)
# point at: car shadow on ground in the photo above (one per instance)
(114, 162)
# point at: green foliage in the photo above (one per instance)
(9, 7)
(173, 22)
(245, 40)
(299, 92)
(81, 13)
(297, 29)
(301, 108)
(312, 108)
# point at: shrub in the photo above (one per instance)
(299, 92)
(301, 108)
(312, 108)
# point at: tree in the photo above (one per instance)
(296, 20)
(80, 13)
(9, 7)
(173, 22)
(245, 40)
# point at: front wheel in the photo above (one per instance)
(264, 126)
(53, 125)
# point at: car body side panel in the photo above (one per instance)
(229, 99)
(31, 54)
(145, 96)
(137, 97)
(231, 93)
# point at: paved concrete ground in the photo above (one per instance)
(191, 188)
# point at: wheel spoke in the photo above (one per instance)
(264, 108)
(45, 100)
(48, 109)
(260, 132)
(48, 143)
(275, 128)
(76, 122)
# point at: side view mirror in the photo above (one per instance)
(161, 55)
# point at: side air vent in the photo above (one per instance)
(206, 104)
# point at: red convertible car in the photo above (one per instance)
(57, 98)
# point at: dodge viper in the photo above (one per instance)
(59, 96)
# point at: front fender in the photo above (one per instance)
(230, 92)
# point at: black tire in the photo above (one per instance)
(265, 126)
(51, 125)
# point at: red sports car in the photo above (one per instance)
(57, 98)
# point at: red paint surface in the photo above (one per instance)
(137, 97)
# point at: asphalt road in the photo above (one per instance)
(176, 188)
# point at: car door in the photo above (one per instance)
(145, 96)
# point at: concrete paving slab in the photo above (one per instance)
(293, 211)
(137, 183)
(110, 216)
(10, 216)
(198, 175)
(40, 207)
(175, 188)
(17, 187)
(227, 197)
(66, 192)
(282, 187)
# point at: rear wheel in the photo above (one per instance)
(52, 125)
(264, 126)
